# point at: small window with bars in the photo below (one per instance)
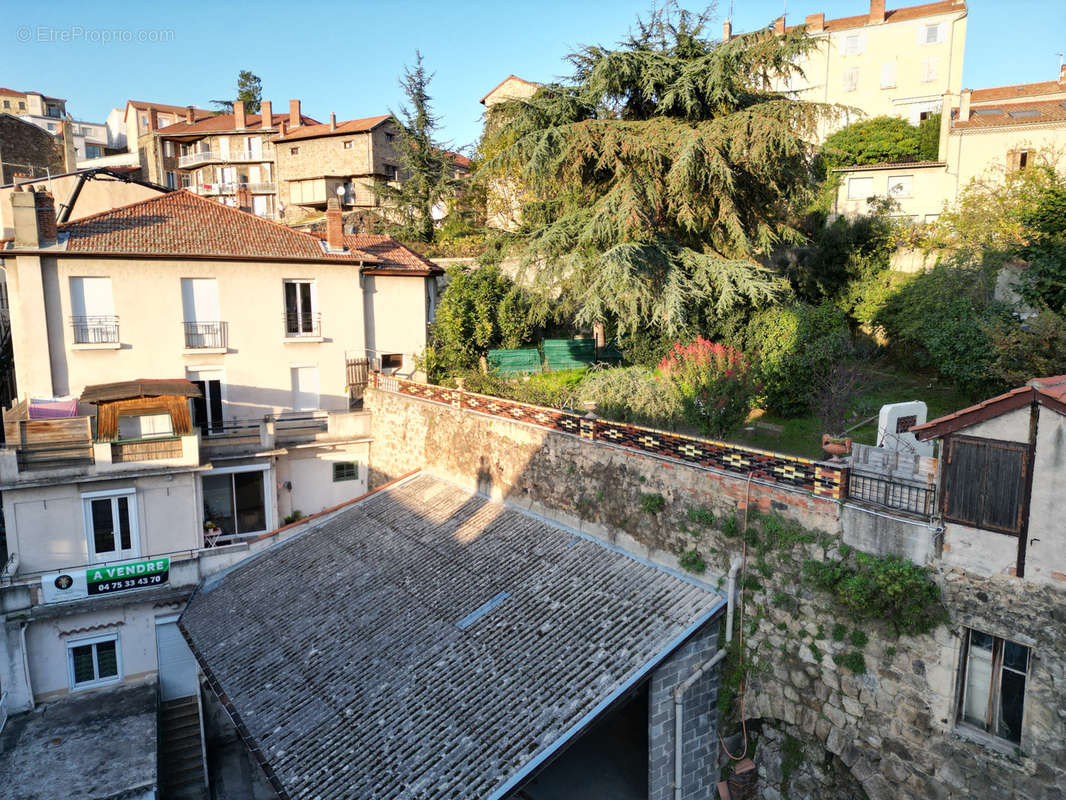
(984, 483)
(93, 662)
(992, 679)
(345, 471)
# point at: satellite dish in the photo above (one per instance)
(340, 190)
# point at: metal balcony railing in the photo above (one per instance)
(888, 492)
(302, 323)
(198, 157)
(213, 335)
(233, 156)
(100, 329)
(231, 188)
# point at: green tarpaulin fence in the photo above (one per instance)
(568, 353)
(514, 362)
(558, 354)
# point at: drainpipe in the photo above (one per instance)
(26, 661)
(734, 568)
(679, 707)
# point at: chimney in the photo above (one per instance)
(815, 23)
(964, 106)
(283, 126)
(244, 197)
(190, 118)
(332, 121)
(70, 157)
(45, 207)
(334, 225)
(266, 114)
(1062, 75)
(24, 218)
(727, 31)
(779, 25)
(877, 12)
(240, 118)
(294, 113)
(153, 119)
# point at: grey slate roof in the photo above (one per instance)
(339, 649)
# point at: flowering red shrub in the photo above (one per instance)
(715, 381)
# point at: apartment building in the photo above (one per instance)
(341, 160)
(504, 198)
(895, 62)
(159, 440)
(1008, 128)
(35, 104)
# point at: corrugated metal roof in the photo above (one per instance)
(339, 651)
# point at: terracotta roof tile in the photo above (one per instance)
(392, 255)
(1027, 113)
(1050, 391)
(1017, 90)
(313, 131)
(182, 223)
(893, 15)
(198, 113)
(228, 122)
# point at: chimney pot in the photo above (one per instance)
(189, 116)
(294, 113)
(46, 217)
(266, 112)
(727, 31)
(334, 225)
(877, 11)
(815, 22)
(1062, 75)
(283, 126)
(779, 25)
(240, 117)
(332, 121)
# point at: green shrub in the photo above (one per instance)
(872, 141)
(652, 503)
(715, 383)
(692, 561)
(1035, 348)
(698, 515)
(796, 344)
(632, 394)
(853, 661)
(858, 638)
(885, 588)
(730, 527)
(839, 631)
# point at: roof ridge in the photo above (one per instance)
(98, 214)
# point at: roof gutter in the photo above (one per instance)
(545, 755)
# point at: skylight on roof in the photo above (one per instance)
(987, 112)
(1025, 112)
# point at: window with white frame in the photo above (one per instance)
(933, 34)
(853, 44)
(860, 188)
(851, 79)
(301, 318)
(111, 525)
(888, 75)
(172, 180)
(145, 426)
(901, 186)
(929, 69)
(993, 675)
(94, 662)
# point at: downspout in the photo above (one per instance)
(679, 692)
(679, 707)
(26, 660)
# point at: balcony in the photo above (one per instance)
(99, 329)
(208, 189)
(232, 157)
(206, 335)
(303, 325)
(247, 436)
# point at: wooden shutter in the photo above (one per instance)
(984, 483)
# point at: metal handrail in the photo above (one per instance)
(304, 323)
(206, 335)
(887, 492)
(96, 329)
(202, 156)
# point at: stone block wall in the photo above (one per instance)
(27, 149)
(699, 723)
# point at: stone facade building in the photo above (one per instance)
(27, 150)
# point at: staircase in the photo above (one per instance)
(181, 755)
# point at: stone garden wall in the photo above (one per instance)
(881, 707)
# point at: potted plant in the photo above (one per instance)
(836, 446)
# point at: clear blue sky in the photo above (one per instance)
(347, 56)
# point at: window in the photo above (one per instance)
(186, 180)
(93, 151)
(390, 172)
(144, 120)
(300, 302)
(1018, 159)
(93, 662)
(7, 104)
(901, 186)
(22, 105)
(345, 471)
(860, 188)
(929, 69)
(172, 180)
(389, 136)
(392, 361)
(348, 144)
(984, 483)
(235, 502)
(294, 151)
(992, 679)
(111, 525)
(931, 218)
(168, 149)
(145, 426)
(51, 126)
(851, 79)
(92, 311)
(853, 44)
(207, 414)
(932, 34)
(888, 75)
